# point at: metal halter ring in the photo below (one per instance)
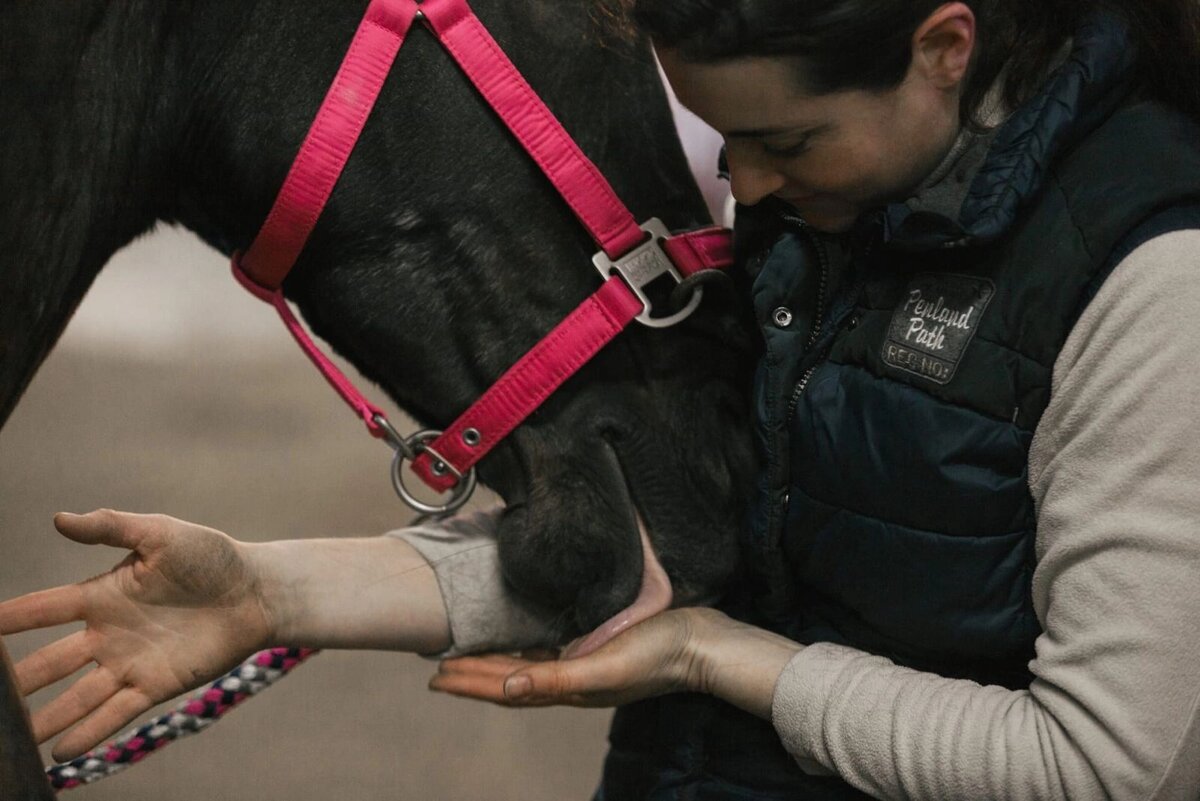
(414, 446)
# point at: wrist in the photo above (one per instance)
(737, 662)
(363, 593)
(706, 633)
(275, 597)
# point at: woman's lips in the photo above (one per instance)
(655, 596)
(808, 200)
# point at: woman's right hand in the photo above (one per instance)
(184, 607)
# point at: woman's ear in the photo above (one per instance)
(943, 45)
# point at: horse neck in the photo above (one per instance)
(81, 116)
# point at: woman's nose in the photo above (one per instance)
(751, 180)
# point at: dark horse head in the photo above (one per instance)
(443, 255)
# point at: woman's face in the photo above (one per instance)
(831, 156)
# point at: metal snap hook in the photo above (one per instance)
(416, 445)
(393, 437)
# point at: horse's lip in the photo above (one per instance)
(654, 596)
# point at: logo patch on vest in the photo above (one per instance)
(935, 321)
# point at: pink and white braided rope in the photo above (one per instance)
(195, 714)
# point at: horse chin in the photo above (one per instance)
(573, 539)
(654, 596)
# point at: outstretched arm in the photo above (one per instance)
(188, 603)
(363, 593)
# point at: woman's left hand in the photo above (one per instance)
(681, 650)
(655, 657)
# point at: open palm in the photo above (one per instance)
(182, 608)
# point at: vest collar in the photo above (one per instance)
(1077, 97)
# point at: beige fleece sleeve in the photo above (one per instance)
(1113, 709)
(484, 613)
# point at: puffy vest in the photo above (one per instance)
(896, 400)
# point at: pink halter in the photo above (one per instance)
(636, 254)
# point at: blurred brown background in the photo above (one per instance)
(173, 391)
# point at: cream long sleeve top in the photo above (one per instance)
(1114, 708)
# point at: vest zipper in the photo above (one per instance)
(780, 594)
(819, 317)
(778, 508)
(823, 281)
(851, 299)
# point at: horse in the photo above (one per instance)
(442, 256)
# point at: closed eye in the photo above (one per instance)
(787, 151)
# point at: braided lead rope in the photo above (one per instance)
(195, 714)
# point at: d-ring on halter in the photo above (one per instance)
(407, 450)
(446, 460)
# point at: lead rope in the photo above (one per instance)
(195, 714)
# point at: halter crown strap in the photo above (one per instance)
(577, 179)
(315, 172)
(329, 142)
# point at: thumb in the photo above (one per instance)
(105, 527)
(552, 680)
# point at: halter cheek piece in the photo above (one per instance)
(631, 256)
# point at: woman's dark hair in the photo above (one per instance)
(867, 44)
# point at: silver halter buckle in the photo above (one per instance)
(644, 265)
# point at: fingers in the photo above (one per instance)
(56, 661)
(480, 677)
(112, 716)
(567, 682)
(77, 702)
(494, 665)
(65, 604)
(42, 609)
(510, 681)
(107, 527)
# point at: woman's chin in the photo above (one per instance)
(829, 216)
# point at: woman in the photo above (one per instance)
(971, 410)
(973, 565)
